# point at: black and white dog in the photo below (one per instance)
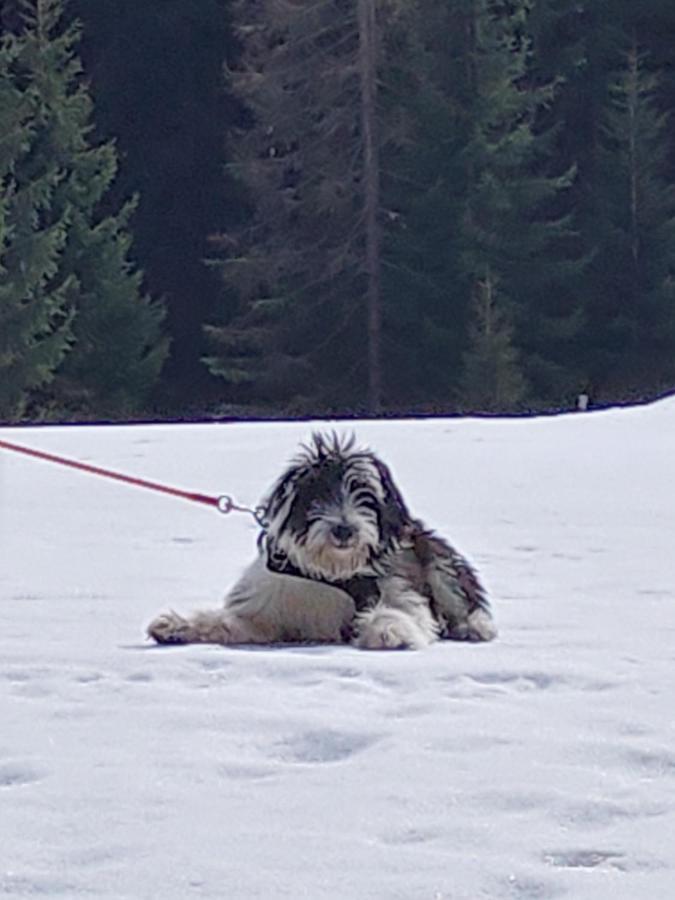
(342, 560)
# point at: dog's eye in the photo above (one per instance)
(363, 496)
(314, 513)
(356, 485)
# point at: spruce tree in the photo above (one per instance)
(118, 347)
(162, 94)
(424, 107)
(35, 295)
(492, 380)
(306, 267)
(517, 232)
(631, 313)
(478, 198)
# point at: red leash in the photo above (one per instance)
(224, 503)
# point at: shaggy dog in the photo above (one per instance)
(342, 560)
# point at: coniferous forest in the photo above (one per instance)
(334, 207)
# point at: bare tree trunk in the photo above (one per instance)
(368, 46)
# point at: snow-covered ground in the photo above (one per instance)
(539, 766)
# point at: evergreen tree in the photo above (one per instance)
(118, 347)
(425, 101)
(492, 380)
(478, 202)
(35, 296)
(307, 267)
(631, 331)
(516, 230)
(156, 74)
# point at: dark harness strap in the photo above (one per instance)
(363, 589)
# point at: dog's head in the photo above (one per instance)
(334, 513)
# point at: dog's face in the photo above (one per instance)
(334, 512)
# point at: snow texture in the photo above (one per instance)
(539, 766)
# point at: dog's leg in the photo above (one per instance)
(400, 619)
(458, 596)
(208, 627)
(263, 607)
(460, 601)
(478, 626)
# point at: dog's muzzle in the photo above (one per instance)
(343, 535)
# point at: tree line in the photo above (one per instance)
(282, 207)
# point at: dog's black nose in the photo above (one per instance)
(342, 532)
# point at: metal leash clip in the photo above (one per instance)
(227, 505)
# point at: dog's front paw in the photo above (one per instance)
(390, 631)
(169, 628)
(479, 626)
(388, 637)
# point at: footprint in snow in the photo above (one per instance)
(88, 678)
(526, 888)
(237, 771)
(16, 774)
(322, 746)
(408, 836)
(604, 860)
(586, 859)
(652, 763)
(535, 680)
(139, 678)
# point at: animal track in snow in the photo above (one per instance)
(16, 774)
(139, 677)
(530, 679)
(245, 771)
(408, 836)
(88, 678)
(615, 860)
(527, 888)
(521, 680)
(323, 746)
(600, 813)
(585, 859)
(21, 674)
(652, 763)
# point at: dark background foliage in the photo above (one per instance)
(526, 224)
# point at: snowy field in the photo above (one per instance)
(539, 766)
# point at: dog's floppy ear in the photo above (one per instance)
(275, 559)
(394, 516)
(278, 495)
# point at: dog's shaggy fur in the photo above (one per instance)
(342, 560)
